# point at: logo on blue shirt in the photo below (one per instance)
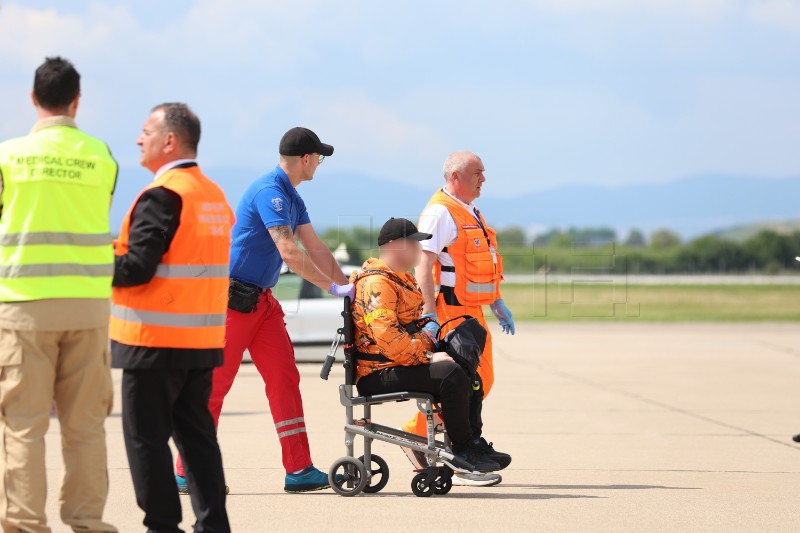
(277, 203)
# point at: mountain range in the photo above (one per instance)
(691, 207)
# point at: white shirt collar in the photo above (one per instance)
(469, 206)
(171, 165)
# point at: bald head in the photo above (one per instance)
(463, 172)
(457, 162)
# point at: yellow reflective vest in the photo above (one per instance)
(54, 226)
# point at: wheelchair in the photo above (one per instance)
(369, 473)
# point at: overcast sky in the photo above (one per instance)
(549, 92)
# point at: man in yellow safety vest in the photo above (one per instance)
(56, 264)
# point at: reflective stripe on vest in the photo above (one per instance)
(55, 238)
(192, 271)
(480, 287)
(172, 320)
(49, 270)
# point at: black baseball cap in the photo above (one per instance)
(302, 141)
(400, 228)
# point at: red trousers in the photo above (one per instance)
(264, 334)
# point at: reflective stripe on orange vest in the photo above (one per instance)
(192, 271)
(176, 320)
(480, 287)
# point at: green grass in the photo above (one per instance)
(653, 303)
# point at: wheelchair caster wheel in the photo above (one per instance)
(379, 473)
(419, 485)
(442, 485)
(347, 476)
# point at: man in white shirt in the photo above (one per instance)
(460, 271)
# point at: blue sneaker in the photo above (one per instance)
(307, 480)
(183, 487)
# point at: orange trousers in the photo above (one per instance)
(444, 313)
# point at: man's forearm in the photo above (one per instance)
(325, 262)
(320, 254)
(427, 287)
(302, 262)
(302, 265)
(424, 274)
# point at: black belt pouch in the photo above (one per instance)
(243, 297)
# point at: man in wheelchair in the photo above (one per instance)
(395, 344)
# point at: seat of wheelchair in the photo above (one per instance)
(347, 333)
(374, 399)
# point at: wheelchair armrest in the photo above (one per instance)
(391, 397)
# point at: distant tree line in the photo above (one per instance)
(574, 249)
(663, 252)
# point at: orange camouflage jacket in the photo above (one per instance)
(385, 301)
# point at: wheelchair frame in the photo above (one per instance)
(349, 475)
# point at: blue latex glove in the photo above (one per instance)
(431, 328)
(503, 315)
(342, 290)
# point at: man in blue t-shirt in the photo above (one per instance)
(268, 218)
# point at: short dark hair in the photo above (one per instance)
(56, 83)
(181, 121)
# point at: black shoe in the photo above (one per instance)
(503, 459)
(474, 455)
(796, 438)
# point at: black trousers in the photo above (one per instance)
(160, 403)
(447, 382)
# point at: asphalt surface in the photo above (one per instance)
(613, 427)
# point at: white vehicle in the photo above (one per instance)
(312, 315)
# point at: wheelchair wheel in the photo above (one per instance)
(378, 469)
(347, 476)
(418, 485)
(443, 484)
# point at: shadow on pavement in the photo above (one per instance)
(491, 495)
(595, 487)
(472, 494)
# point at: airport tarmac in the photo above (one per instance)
(613, 427)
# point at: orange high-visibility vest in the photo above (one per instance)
(184, 305)
(478, 264)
